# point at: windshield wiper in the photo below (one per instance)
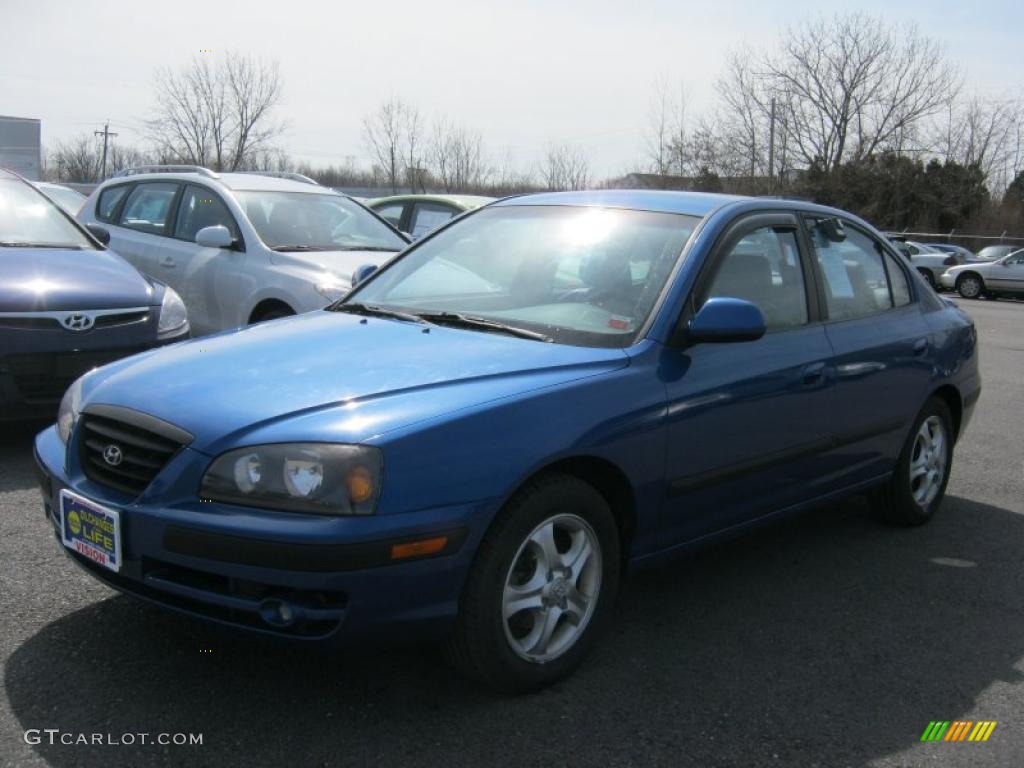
(365, 248)
(298, 248)
(356, 308)
(24, 244)
(459, 320)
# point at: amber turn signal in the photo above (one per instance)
(418, 548)
(360, 484)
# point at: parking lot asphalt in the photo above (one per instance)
(828, 640)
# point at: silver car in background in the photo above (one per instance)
(1004, 277)
(930, 262)
(240, 247)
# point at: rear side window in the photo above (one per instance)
(427, 216)
(201, 208)
(854, 273)
(107, 203)
(149, 206)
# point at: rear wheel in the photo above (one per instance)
(918, 485)
(541, 588)
(969, 286)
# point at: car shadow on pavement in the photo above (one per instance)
(16, 454)
(827, 640)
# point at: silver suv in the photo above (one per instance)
(239, 247)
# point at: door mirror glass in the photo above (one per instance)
(725, 319)
(217, 236)
(100, 233)
(362, 272)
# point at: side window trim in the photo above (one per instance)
(736, 231)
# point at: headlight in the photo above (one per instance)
(322, 478)
(333, 291)
(70, 405)
(173, 316)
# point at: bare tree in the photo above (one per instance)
(216, 114)
(565, 167)
(392, 136)
(982, 133)
(457, 158)
(77, 159)
(667, 142)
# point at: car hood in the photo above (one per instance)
(332, 376)
(44, 279)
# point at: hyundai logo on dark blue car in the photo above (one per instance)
(77, 321)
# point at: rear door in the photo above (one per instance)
(884, 352)
(143, 226)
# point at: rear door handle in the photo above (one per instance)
(921, 347)
(167, 261)
(812, 374)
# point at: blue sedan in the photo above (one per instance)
(484, 435)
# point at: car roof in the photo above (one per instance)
(690, 203)
(462, 201)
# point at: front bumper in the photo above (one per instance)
(237, 566)
(947, 280)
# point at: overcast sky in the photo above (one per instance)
(524, 73)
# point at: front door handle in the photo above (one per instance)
(168, 262)
(921, 347)
(812, 374)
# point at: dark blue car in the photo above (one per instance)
(480, 439)
(67, 304)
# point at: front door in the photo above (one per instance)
(1007, 275)
(749, 423)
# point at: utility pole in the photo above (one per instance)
(771, 148)
(106, 134)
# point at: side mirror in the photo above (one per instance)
(100, 233)
(362, 272)
(723, 320)
(217, 236)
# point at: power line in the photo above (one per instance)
(106, 134)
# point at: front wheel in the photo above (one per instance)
(918, 484)
(969, 286)
(541, 588)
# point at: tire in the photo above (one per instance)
(970, 285)
(929, 278)
(911, 498)
(572, 605)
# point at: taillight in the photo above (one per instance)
(950, 261)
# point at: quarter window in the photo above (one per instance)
(764, 268)
(853, 271)
(148, 207)
(898, 281)
(392, 213)
(201, 208)
(107, 204)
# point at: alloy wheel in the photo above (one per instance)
(552, 588)
(969, 287)
(928, 461)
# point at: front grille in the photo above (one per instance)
(143, 453)
(44, 377)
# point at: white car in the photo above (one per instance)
(1004, 276)
(239, 247)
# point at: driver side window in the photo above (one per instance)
(764, 268)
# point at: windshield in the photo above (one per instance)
(586, 276)
(301, 221)
(991, 252)
(29, 219)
